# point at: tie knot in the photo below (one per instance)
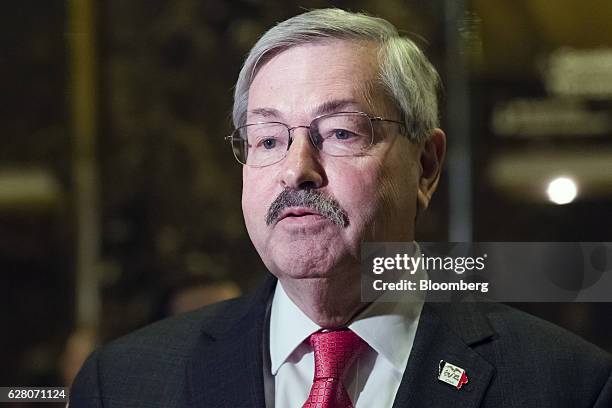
(334, 352)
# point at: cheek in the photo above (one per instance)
(381, 200)
(356, 187)
(257, 194)
(359, 196)
(398, 196)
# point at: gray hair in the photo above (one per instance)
(405, 74)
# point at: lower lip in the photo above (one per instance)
(303, 221)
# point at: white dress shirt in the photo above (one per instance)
(372, 381)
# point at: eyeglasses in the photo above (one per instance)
(338, 134)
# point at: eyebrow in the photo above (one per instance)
(332, 106)
(266, 112)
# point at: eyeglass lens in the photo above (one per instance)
(340, 134)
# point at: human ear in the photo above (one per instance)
(431, 160)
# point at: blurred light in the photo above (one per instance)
(524, 174)
(540, 118)
(580, 73)
(562, 190)
(28, 187)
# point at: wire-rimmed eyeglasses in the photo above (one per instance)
(337, 134)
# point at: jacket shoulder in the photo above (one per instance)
(180, 332)
(531, 333)
(151, 361)
(538, 362)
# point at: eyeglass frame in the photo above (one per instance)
(372, 119)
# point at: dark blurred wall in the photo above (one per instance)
(35, 239)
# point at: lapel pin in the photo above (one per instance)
(451, 374)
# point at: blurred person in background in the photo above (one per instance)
(192, 293)
(337, 129)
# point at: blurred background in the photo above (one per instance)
(120, 200)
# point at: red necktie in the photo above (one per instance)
(334, 352)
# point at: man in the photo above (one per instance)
(336, 119)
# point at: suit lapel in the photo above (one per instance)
(445, 332)
(227, 365)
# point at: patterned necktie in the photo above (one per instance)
(334, 352)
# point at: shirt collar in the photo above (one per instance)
(289, 327)
(388, 327)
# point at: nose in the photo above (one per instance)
(302, 168)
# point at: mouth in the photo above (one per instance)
(299, 213)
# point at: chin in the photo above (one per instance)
(306, 260)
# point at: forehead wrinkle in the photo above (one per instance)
(335, 105)
(355, 90)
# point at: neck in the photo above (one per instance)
(329, 302)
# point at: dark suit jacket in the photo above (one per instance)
(213, 358)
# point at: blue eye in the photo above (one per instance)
(342, 134)
(269, 143)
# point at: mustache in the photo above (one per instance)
(312, 199)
